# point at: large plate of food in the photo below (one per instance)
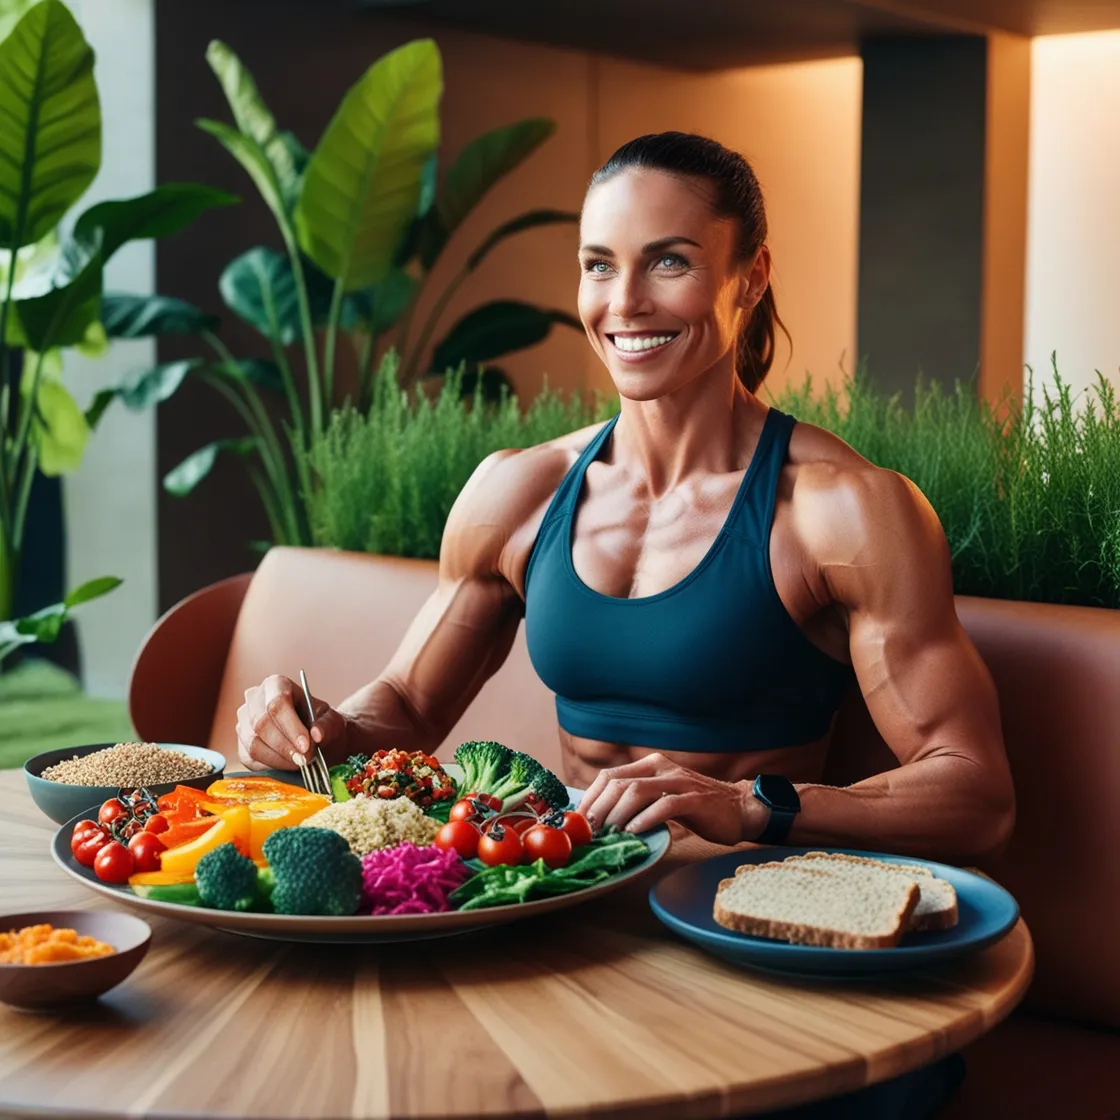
(832, 911)
(410, 848)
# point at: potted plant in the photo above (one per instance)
(50, 282)
(363, 220)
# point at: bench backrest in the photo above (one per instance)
(1057, 669)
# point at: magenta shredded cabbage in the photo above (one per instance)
(406, 879)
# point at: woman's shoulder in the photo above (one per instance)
(842, 500)
(505, 499)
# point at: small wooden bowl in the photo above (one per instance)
(36, 987)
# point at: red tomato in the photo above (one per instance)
(157, 823)
(462, 811)
(91, 844)
(553, 845)
(462, 836)
(500, 845)
(82, 832)
(145, 848)
(487, 799)
(113, 863)
(111, 810)
(578, 828)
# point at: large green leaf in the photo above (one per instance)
(259, 287)
(495, 329)
(485, 160)
(11, 12)
(181, 480)
(363, 183)
(255, 120)
(58, 307)
(255, 161)
(50, 123)
(125, 315)
(159, 213)
(58, 428)
(62, 315)
(152, 386)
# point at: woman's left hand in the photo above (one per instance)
(645, 793)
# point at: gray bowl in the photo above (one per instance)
(62, 802)
(35, 987)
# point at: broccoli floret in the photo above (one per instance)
(548, 787)
(227, 880)
(312, 871)
(484, 763)
(523, 770)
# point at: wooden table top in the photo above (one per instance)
(597, 1011)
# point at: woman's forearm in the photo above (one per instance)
(378, 717)
(939, 807)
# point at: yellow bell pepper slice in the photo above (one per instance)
(267, 817)
(160, 878)
(232, 826)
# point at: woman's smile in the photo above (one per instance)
(641, 346)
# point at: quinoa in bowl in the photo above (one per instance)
(79, 784)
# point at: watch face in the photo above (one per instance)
(777, 792)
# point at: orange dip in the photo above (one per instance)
(46, 945)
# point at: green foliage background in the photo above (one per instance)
(1029, 496)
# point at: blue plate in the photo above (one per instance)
(683, 900)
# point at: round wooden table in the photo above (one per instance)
(597, 1011)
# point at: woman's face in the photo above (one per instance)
(661, 292)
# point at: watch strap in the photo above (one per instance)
(778, 826)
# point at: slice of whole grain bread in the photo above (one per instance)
(815, 906)
(937, 901)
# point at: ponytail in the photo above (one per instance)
(754, 351)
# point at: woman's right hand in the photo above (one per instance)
(271, 733)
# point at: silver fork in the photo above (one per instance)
(316, 776)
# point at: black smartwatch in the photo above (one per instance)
(779, 796)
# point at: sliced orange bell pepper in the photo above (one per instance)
(182, 801)
(231, 826)
(182, 830)
(243, 791)
(266, 817)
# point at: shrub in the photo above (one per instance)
(1029, 495)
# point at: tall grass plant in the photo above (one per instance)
(1028, 493)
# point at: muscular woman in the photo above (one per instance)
(701, 577)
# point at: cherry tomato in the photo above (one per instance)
(487, 799)
(145, 848)
(500, 845)
(157, 823)
(462, 811)
(111, 810)
(462, 836)
(82, 832)
(114, 863)
(92, 843)
(553, 845)
(578, 828)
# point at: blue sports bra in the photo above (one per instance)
(713, 663)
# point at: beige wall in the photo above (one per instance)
(799, 124)
(1073, 242)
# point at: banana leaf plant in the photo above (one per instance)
(50, 281)
(362, 221)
